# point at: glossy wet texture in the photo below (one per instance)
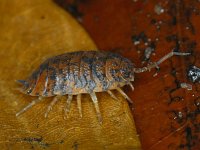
(76, 73)
(79, 72)
(166, 115)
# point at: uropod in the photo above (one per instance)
(83, 72)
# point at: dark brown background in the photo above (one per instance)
(167, 116)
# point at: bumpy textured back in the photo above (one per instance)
(80, 72)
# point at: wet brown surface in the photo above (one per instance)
(167, 116)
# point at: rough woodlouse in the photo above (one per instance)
(81, 72)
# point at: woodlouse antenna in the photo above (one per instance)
(156, 64)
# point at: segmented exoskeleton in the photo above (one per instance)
(82, 72)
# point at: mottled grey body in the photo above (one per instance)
(83, 72)
(80, 72)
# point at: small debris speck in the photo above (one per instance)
(186, 86)
(147, 53)
(180, 114)
(194, 74)
(158, 9)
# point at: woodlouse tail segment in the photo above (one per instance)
(23, 82)
(49, 108)
(124, 95)
(96, 105)
(112, 95)
(156, 64)
(25, 86)
(68, 105)
(29, 106)
(79, 104)
(21, 90)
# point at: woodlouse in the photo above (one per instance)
(81, 72)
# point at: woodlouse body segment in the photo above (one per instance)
(82, 72)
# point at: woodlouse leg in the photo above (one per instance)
(124, 94)
(49, 108)
(67, 109)
(112, 95)
(29, 106)
(79, 104)
(131, 85)
(95, 101)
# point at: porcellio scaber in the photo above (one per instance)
(82, 72)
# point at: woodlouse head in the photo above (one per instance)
(126, 69)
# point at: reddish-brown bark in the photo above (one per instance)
(167, 116)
